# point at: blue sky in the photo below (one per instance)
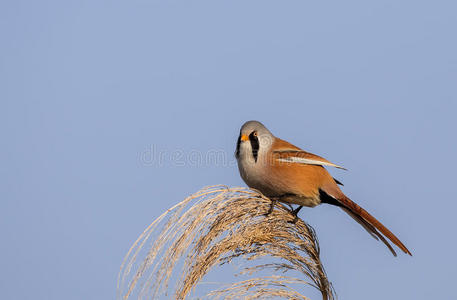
(88, 87)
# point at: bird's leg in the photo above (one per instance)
(295, 211)
(272, 205)
(295, 214)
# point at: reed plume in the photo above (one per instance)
(217, 226)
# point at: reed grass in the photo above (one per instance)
(216, 226)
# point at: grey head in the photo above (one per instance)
(254, 141)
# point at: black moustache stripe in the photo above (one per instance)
(237, 153)
(255, 145)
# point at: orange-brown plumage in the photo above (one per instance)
(310, 180)
(366, 217)
(300, 179)
(281, 170)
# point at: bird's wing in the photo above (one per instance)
(286, 152)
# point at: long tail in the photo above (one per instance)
(373, 226)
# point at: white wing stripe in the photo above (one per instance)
(307, 161)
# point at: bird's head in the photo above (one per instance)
(254, 140)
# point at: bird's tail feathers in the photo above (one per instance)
(371, 224)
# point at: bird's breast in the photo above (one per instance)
(294, 183)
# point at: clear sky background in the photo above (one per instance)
(88, 89)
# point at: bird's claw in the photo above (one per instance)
(295, 214)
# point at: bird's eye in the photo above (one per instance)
(255, 133)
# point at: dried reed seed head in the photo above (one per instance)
(219, 225)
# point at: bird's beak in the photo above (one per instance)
(244, 138)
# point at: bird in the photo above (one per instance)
(283, 172)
